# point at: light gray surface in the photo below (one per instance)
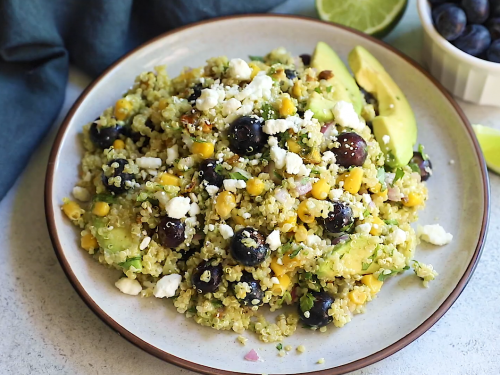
(47, 329)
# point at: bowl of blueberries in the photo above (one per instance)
(462, 47)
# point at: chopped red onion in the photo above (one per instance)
(252, 356)
(394, 194)
(342, 238)
(303, 189)
(281, 195)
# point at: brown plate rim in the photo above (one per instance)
(352, 366)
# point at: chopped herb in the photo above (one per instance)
(295, 252)
(318, 90)
(256, 58)
(414, 167)
(329, 89)
(308, 276)
(286, 247)
(284, 137)
(398, 176)
(406, 268)
(421, 150)
(268, 112)
(301, 141)
(365, 266)
(108, 198)
(382, 277)
(272, 70)
(192, 310)
(279, 346)
(237, 176)
(391, 222)
(381, 178)
(307, 302)
(278, 176)
(287, 297)
(216, 303)
(219, 168)
(315, 171)
(199, 140)
(366, 213)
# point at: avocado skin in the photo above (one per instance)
(344, 87)
(396, 118)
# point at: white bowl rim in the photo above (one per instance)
(352, 366)
(426, 21)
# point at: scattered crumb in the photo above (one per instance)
(452, 162)
(321, 361)
(323, 329)
(301, 348)
(242, 340)
(288, 348)
(282, 353)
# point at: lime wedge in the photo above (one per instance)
(489, 139)
(374, 17)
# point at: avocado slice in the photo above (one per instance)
(113, 240)
(321, 107)
(132, 262)
(395, 127)
(344, 87)
(352, 254)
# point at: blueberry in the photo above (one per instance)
(352, 150)
(493, 26)
(210, 286)
(139, 139)
(290, 74)
(196, 92)
(171, 232)
(493, 53)
(246, 136)
(474, 41)
(249, 247)
(103, 137)
(255, 295)
(306, 59)
(317, 316)
(369, 98)
(116, 167)
(425, 166)
(208, 172)
(477, 11)
(449, 20)
(340, 219)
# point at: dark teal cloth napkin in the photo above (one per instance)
(40, 38)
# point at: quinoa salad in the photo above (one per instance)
(242, 187)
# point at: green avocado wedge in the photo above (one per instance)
(395, 127)
(113, 240)
(344, 87)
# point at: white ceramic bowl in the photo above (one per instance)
(465, 76)
(402, 311)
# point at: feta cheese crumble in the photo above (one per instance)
(293, 163)
(81, 194)
(238, 68)
(207, 100)
(273, 240)
(226, 231)
(167, 286)
(434, 234)
(346, 116)
(211, 190)
(178, 207)
(233, 185)
(148, 162)
(172, 154)
(129, 286)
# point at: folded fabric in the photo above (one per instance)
(39, 39)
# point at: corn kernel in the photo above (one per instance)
(162, 104)
(414, 199)
(372, 282)
(101, 209)
(356, 296)
(304, 213)
(383, 195)
(226, 201)
(353, 179)
(377, 226)
(204, 149)
(89, 242)
(118, 144)
(301, 234)
(255, 186)
(123, 107)
(255, 69)
(377, 188)
(314, 156)
(287, 107)
(293, 146)
(320, 189)
(168, 179)
(239, 220)
(72, 210)
(289, 224)
(297, 89)
(279, 289)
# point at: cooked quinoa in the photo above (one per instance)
(221, 191)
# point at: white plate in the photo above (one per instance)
(402, 311)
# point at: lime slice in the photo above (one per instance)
(489, 139)
(374, 17)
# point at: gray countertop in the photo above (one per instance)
(46, 328)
